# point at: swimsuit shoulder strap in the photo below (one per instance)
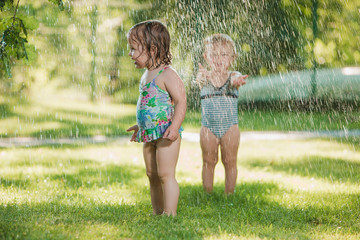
(160, 72)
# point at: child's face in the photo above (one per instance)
(219, 56)
(137, 53)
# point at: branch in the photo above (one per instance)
(17, 5)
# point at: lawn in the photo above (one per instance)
(293, 189)
(68, 113)
(286, 190)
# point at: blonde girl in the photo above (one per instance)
(219, 110)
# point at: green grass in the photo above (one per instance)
(285, 190)
(66, 113)
(52, 111)
(71, 115)
(268, 120)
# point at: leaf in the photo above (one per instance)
(5, 60)
(151, 102)
(2, 4)
(162, 116)
(23, 26)
(30, 22)
(2, 46)
(23, 45)
(59, 3)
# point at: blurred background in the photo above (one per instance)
(65, 70)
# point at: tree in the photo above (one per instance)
(337, 40)
(14, 32)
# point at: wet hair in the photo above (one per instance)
(222, 39)
(152, 35)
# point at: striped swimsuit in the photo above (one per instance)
(219, 109)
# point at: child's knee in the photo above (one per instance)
(210, 162)
(229, 162)
(153, 176)
(165, 176)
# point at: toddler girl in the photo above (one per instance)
(160, 111)
(219, 110)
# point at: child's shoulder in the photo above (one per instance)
(235, 73)
(169, 74)
(170, 70)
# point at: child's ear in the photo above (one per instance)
(234, 58)
(205, 56)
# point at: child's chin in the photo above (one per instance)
(220, 69)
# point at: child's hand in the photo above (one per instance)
(134, 128)
(202, 76)
(237, 79)
(171, 133)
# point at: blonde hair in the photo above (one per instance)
(153, 35)
(222, 39)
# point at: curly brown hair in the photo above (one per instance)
(155, 38)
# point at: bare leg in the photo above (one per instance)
(167, 154)
(156, 192)
(209, 145)
(229, 147)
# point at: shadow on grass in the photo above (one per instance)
(100, 176)
(5, 111)
(78, 143)
(87, 174)
(70, 128)
(250, 212)
(330, 169)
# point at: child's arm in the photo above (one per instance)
(175, 87)
(237, 79)
(202, 76)
(134, 128)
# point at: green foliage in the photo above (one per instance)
(5, 4)
(59, 3)
(264, 35)
(271, 36)
(337, 40)
(12, 43)
(14, 33)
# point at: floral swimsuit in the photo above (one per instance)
(155, 111)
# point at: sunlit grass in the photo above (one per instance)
(286, 189)
(272, 120)
(54, 111)
(68, 113)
